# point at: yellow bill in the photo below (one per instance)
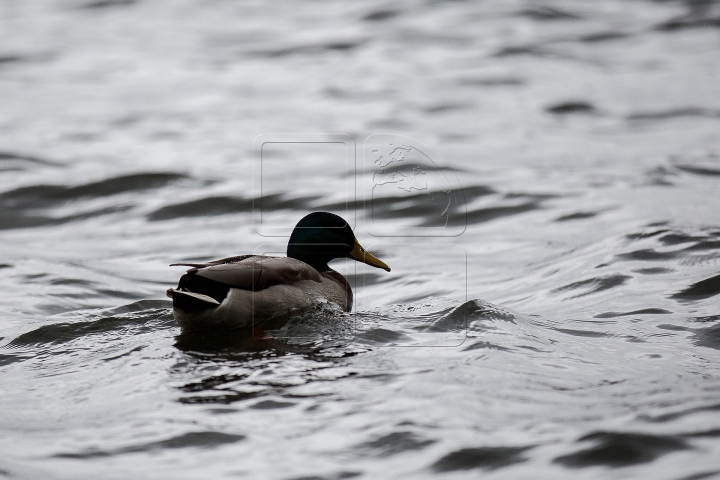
(361, 255)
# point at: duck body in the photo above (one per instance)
(246, 290)
(257, 289)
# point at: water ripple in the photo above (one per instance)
(485, 458)
(615, 449)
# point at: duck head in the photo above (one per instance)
(321, 236)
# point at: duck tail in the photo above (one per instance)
(191, 302)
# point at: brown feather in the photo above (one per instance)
(258, 272)
(211, 263)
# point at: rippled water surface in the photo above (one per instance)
(552, 311)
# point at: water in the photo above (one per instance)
(564, 323)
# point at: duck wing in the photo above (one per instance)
(195, 266)
(258, 273)
(251, 272)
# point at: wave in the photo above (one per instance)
(674, 113)
(28, 207)
(575, 106)
(43, 196)
(202, 439)
(620, 449)
(226, 205)
(393, 444)
(138, 317)
(10, 161)
(484, 458)
(700, 290)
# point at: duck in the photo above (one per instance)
(247, 290)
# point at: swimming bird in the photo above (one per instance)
(245, 290)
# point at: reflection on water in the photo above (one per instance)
(553, 306)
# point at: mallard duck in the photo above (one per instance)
(246, 290)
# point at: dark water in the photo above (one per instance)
(553, 308)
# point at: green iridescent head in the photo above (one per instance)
(321, 237)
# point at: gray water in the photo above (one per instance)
(551, 218)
